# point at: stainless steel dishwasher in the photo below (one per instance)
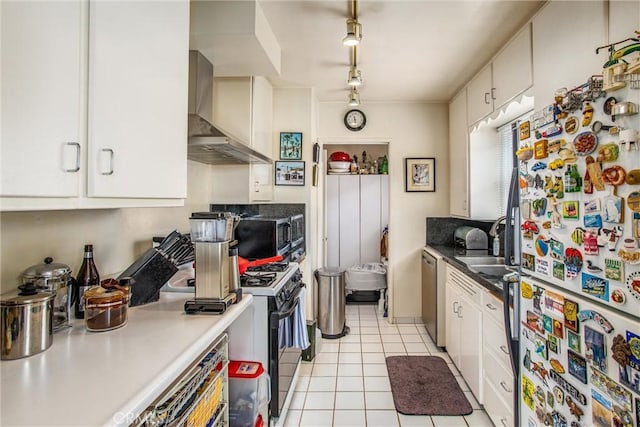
(433, 298)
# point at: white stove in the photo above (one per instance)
(264, 281)
(277, 295)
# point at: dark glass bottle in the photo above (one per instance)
(87, 277)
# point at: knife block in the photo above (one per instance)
(150, 272)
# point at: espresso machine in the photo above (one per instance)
(211, 235)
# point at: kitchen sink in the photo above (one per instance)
(491, 270)
(481, 260)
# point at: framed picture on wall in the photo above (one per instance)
(420, 174)
(290, 145)
(289, 173)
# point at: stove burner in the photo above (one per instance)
(272, 266)
(257, 280)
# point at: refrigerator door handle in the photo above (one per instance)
(510, 230)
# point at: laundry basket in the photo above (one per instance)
(371, 276)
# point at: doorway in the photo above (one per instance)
(356, 218)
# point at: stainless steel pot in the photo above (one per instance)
(27, 322)
(55, 278)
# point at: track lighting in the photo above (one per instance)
(354, 97)
(355, 77)
(354, 33)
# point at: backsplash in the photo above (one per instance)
(274, 210)
(440, 229)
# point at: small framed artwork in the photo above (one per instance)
(524, 131)
(290, 145)
(289, 173)
(420, 174)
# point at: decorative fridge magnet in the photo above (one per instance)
(592, 268)
(629, 373)
(585, 143)
(633, 284)
(556, 365)
(595, 286)
(558, 270)
(528, 388)
(571, 125)
(577, 366)
(547, 323)
(538, 166)
(634, 345)
(553, 344)
(540, 345)
(615, 391)
(613, 269)
(609, 237)
(526, 291)
(550, 399)
(622, 417)
(587, 115)
(557, 329)
(570, 209)
(555, 146)
(571, 315)
(591, 206)
(540, 149)
(633, 201)
(554, 130)
(595, 173)
(573, 341)
(573, 262)
(631, 256)
(615, 175)
(542, 245)
(534, 322)
(574, 409)
(613, 209)
(618, 296)
(524, 131)
(590, 242)
(584, 315)
(569, 388)
(601, 408)
(554, 303)
(633, 177)
(524, 153)
(629, 139)
(595, 349)
(592, 220)
(556, 248)
(538, 292)
(607, 107)
(528, 261)
(608, 153)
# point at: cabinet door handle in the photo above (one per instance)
(491, 306)
(486, 98)
(504, 349)
(503, 421)
(256, 186)
(77, 167)
(504, 387)
(460, 311)
(454, 307)
(493, 93)
(110, 151)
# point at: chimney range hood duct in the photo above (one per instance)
(208, 143)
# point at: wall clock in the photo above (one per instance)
(355, 120)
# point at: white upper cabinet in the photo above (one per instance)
(509, 74)
(41, 115)
(564, 54)
(94, 104)
(513, 68)
(138, 77)
(458, 156)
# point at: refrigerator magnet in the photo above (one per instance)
(573, 262)
(633, 284)
(595, 286)
(613, 269)
(584, 315)
(577, 366)
(571, 315)
(573, 341)
(595, 349)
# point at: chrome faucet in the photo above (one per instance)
(494, 227)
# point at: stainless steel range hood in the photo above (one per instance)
(208, 143)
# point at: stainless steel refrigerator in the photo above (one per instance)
(574, 207)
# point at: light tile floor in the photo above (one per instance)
(347, 384)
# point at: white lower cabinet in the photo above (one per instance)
(498, 379)
(464, 327)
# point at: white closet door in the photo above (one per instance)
(370, 218)
(384, 201)
(349, 220)
(332, 244)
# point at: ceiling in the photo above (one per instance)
(411, 50)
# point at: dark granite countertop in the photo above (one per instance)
(492, 283)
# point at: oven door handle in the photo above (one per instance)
(276, 316)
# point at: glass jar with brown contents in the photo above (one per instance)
(105, 309)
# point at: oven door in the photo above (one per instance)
(283, 361)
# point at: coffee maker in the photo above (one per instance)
(211, 234)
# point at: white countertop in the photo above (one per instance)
(108, 378)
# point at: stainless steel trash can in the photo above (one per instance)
(331, 302)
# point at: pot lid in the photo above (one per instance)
(26, 294)
(47, 270)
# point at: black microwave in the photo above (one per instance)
(260, 237)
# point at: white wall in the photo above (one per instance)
(412, 130)
(119, 236)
